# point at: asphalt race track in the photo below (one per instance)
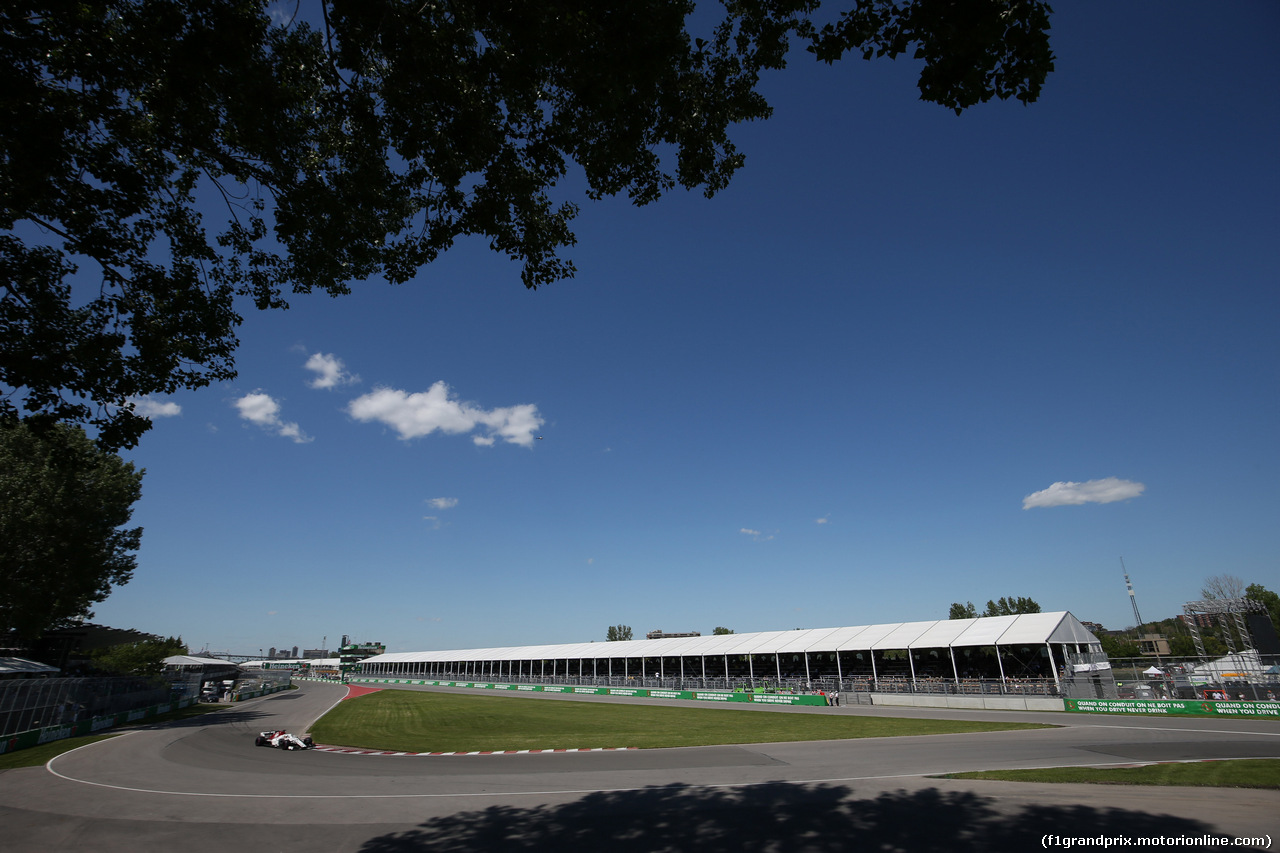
(201, 785)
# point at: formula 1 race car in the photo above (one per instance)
(283, 740)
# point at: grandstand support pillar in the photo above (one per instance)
(955, 672)
(839, 672)
(807, 679)
(704, 670)
(875, 677)
(777, 665)
(1053, 667)
(751, 669)
(1000, 664)
(911, 663)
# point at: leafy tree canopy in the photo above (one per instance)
(1269, 599)
(143, 658)
(1003, 607)
(1119, 647)
(618, 632)
(64, 504)
(364, 144)
(1011, 606)
(720, 630)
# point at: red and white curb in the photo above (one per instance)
(349, 751)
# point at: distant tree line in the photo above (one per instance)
(1001, 607)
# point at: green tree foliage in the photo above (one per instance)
(618, 632)
(1011, 606)
(1119, 647)
(363, 144)
(1182, 646)
(1003, 607)
(1269, 599)
(143, 658)
(719, 630)
(64, 504)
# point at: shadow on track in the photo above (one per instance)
(773, 817)
(212, 718)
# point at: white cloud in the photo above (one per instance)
(330, 371)
(261, 409)
(749, 531)
(1104, 491)
(755, 535)
(148, 408)
(422, 413)
(443, 503)
(824, 520)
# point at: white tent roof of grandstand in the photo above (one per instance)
(1027, 629)
(189, 660)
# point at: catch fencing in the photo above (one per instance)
(37, 703)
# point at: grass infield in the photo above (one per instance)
(413, 721)
(1236, 773)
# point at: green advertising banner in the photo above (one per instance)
(1176, 707)
(637, 692)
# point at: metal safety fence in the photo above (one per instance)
(854, 689)
(34, 703)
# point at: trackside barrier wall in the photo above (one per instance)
(1175, 707)
(979, 703)
(637, 692)
(1199, 708)
(36, 737)
(265, 690)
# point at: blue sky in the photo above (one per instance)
(822, 398)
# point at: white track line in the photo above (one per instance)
(571, 791)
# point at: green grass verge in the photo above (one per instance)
(38, 755)
(413, 721)
(1236, 773)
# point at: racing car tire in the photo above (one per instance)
(259, 741)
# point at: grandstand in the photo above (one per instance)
(1050, 654)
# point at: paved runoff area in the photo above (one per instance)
(201, 785)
